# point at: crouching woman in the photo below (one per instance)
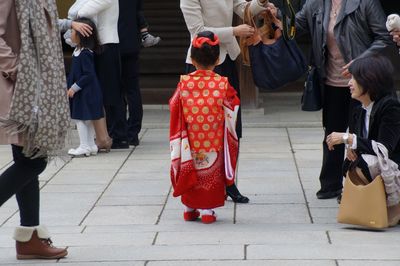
(374, 129)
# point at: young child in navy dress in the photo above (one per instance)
(84, 90)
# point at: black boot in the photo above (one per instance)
(235, 195)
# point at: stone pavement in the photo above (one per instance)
(117, 208)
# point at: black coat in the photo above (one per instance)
(130, 21)
(360, 29)
(384, 127)
(87, 103)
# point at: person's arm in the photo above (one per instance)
(8, 59)
(64, 24)
(376, 19)
(256, 6)
(302, 26)
(88, 74)
(93, 7)
(191, 10)
(396, 36)
(389, 131)
(67, 24)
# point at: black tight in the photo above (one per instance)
(22, 179)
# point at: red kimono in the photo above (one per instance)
(203, 141)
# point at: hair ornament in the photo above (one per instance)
(199, 41)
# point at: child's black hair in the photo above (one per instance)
(90, 42)
(207, 55)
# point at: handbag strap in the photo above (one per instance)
(246, 41)
(288, 13)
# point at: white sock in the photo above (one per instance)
(188, 209)
(83, 134)
(207, 212)
(91, 133)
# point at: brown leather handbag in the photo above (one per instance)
(363, 205)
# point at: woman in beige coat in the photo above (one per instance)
(33, 113)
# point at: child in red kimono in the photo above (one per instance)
(203, 140)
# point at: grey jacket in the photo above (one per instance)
(360, 29)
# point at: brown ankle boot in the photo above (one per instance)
(35, 243)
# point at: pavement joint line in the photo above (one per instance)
(164, 205)
(154, 239)
(298, 175)
(83, 229)
(109, 183)
(234, 212)
(329, 237)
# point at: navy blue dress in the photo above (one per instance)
(87, 103)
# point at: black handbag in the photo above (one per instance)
(277, 60)
(276, 64)
(312, 94)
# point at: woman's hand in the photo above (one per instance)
(271, 8)
(333, 139)
(396, 36)
(351, 155)
(70, 93)
(345, 69)
(243, 30)
(82, 28)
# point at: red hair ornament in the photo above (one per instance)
(199, 41)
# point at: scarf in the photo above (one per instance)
(388, 169)
(39, 108)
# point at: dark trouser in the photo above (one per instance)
(131, 92)
(108, 68)
(227, 69)
(116, 125)
(22, 179)
(335, 117)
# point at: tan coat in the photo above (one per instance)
(9, 51)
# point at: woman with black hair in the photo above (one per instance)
(377, 120)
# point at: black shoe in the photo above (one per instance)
(235, 195)
(120, 145)
(134, 141)
(339, 199)
(328, 194)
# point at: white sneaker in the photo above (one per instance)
(150, 40)
(94, 150)
(79, 152)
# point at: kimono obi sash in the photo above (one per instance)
(202, 94)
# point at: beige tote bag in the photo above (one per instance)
(364, 205)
